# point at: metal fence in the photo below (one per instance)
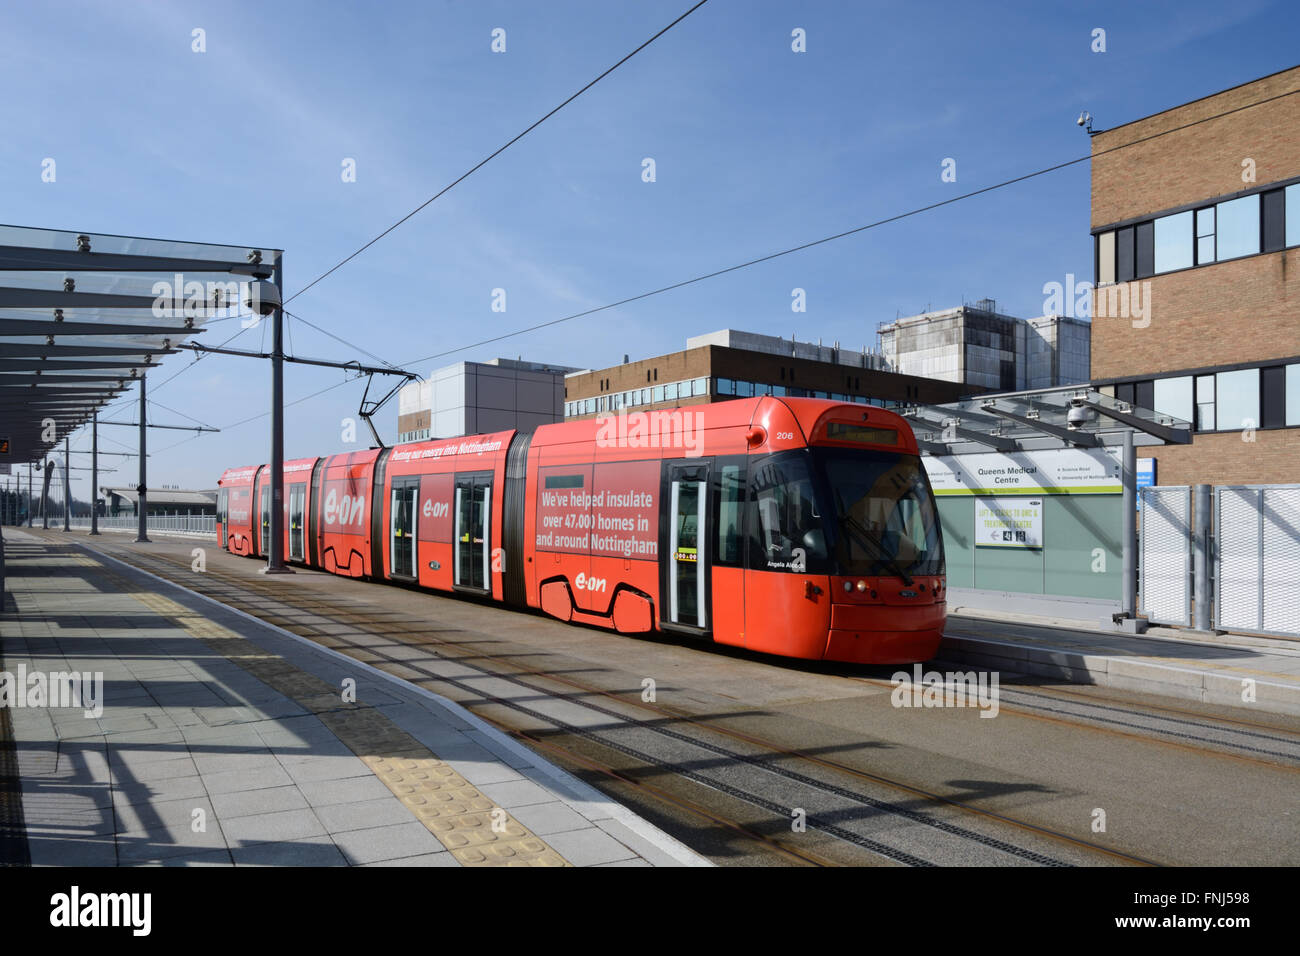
(1166, 555)
(1257, 560)
(177, 524)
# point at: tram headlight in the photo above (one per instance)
(862, 587)
(848, 585)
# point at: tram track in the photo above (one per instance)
(578, 693)
(1077, 710)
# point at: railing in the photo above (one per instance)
(177, 524)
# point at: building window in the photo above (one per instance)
(1273, 220)
(658, 394)
(726, 386)
(1144, 263)
(1292, 203)
(700, 386)
(1272, 397)
(1293, 394)
(1106, 258)
(1204, 235)
(645, 396)
(1124, 255)
(1205, 403)
(1237, 395)
(656, 375)
(1238, 228)
(670, 392)
(1173, 396)
(1173, 243)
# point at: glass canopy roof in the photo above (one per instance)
(1073, 416)
(83, 315)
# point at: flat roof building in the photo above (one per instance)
(730, 364)
(1196, 231)
(978, 346)
(470, 398)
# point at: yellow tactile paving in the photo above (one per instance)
(472, 827)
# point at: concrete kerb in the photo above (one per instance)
(1121, 673)
(592, 804)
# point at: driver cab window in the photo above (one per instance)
(785, 522)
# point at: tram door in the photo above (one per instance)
(266, 519)
(473, 531)
(403, 517)
(688, 537)
(297, 506)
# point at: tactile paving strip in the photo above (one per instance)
(472, 827)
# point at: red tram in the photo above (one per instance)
(791, 526)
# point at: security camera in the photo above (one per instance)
(1078, 416)
(262, 297)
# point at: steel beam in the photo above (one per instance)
(1166, 433)
(1080, 438)
(24, 259)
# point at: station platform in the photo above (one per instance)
(203, 737)
(1231, 670)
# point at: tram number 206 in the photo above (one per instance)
(785, 436)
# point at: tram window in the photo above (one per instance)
(731, 500)
(784, 522)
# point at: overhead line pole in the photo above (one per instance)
(142, 536)
(94, 472)
(275, 558)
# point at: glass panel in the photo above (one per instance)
(1238, 232)
(1106, 257)
(1124, 255)
(784, 517)
(297, 498)
(1205, 403)
(1144, 237)
(1293, 215)
(700, 386)
(1272, 389)
(726, 386)
(1293, 394)
(1205, 222)
(1173, 396)
(882, 513)
(732, 499)
(1238, 399)
(658, 393)
(1274, 220)
(688, 500)
(1174, 242)
(670, 392)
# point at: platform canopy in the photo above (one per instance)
(1073, 416)
(83, 315)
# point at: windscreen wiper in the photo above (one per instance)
(863, 534)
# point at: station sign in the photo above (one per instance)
(1064, 471)
(1146, 477)
(1009, 523)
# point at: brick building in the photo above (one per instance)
(1197, 307)
(729, 364)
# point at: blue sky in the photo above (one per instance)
(756, 147)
